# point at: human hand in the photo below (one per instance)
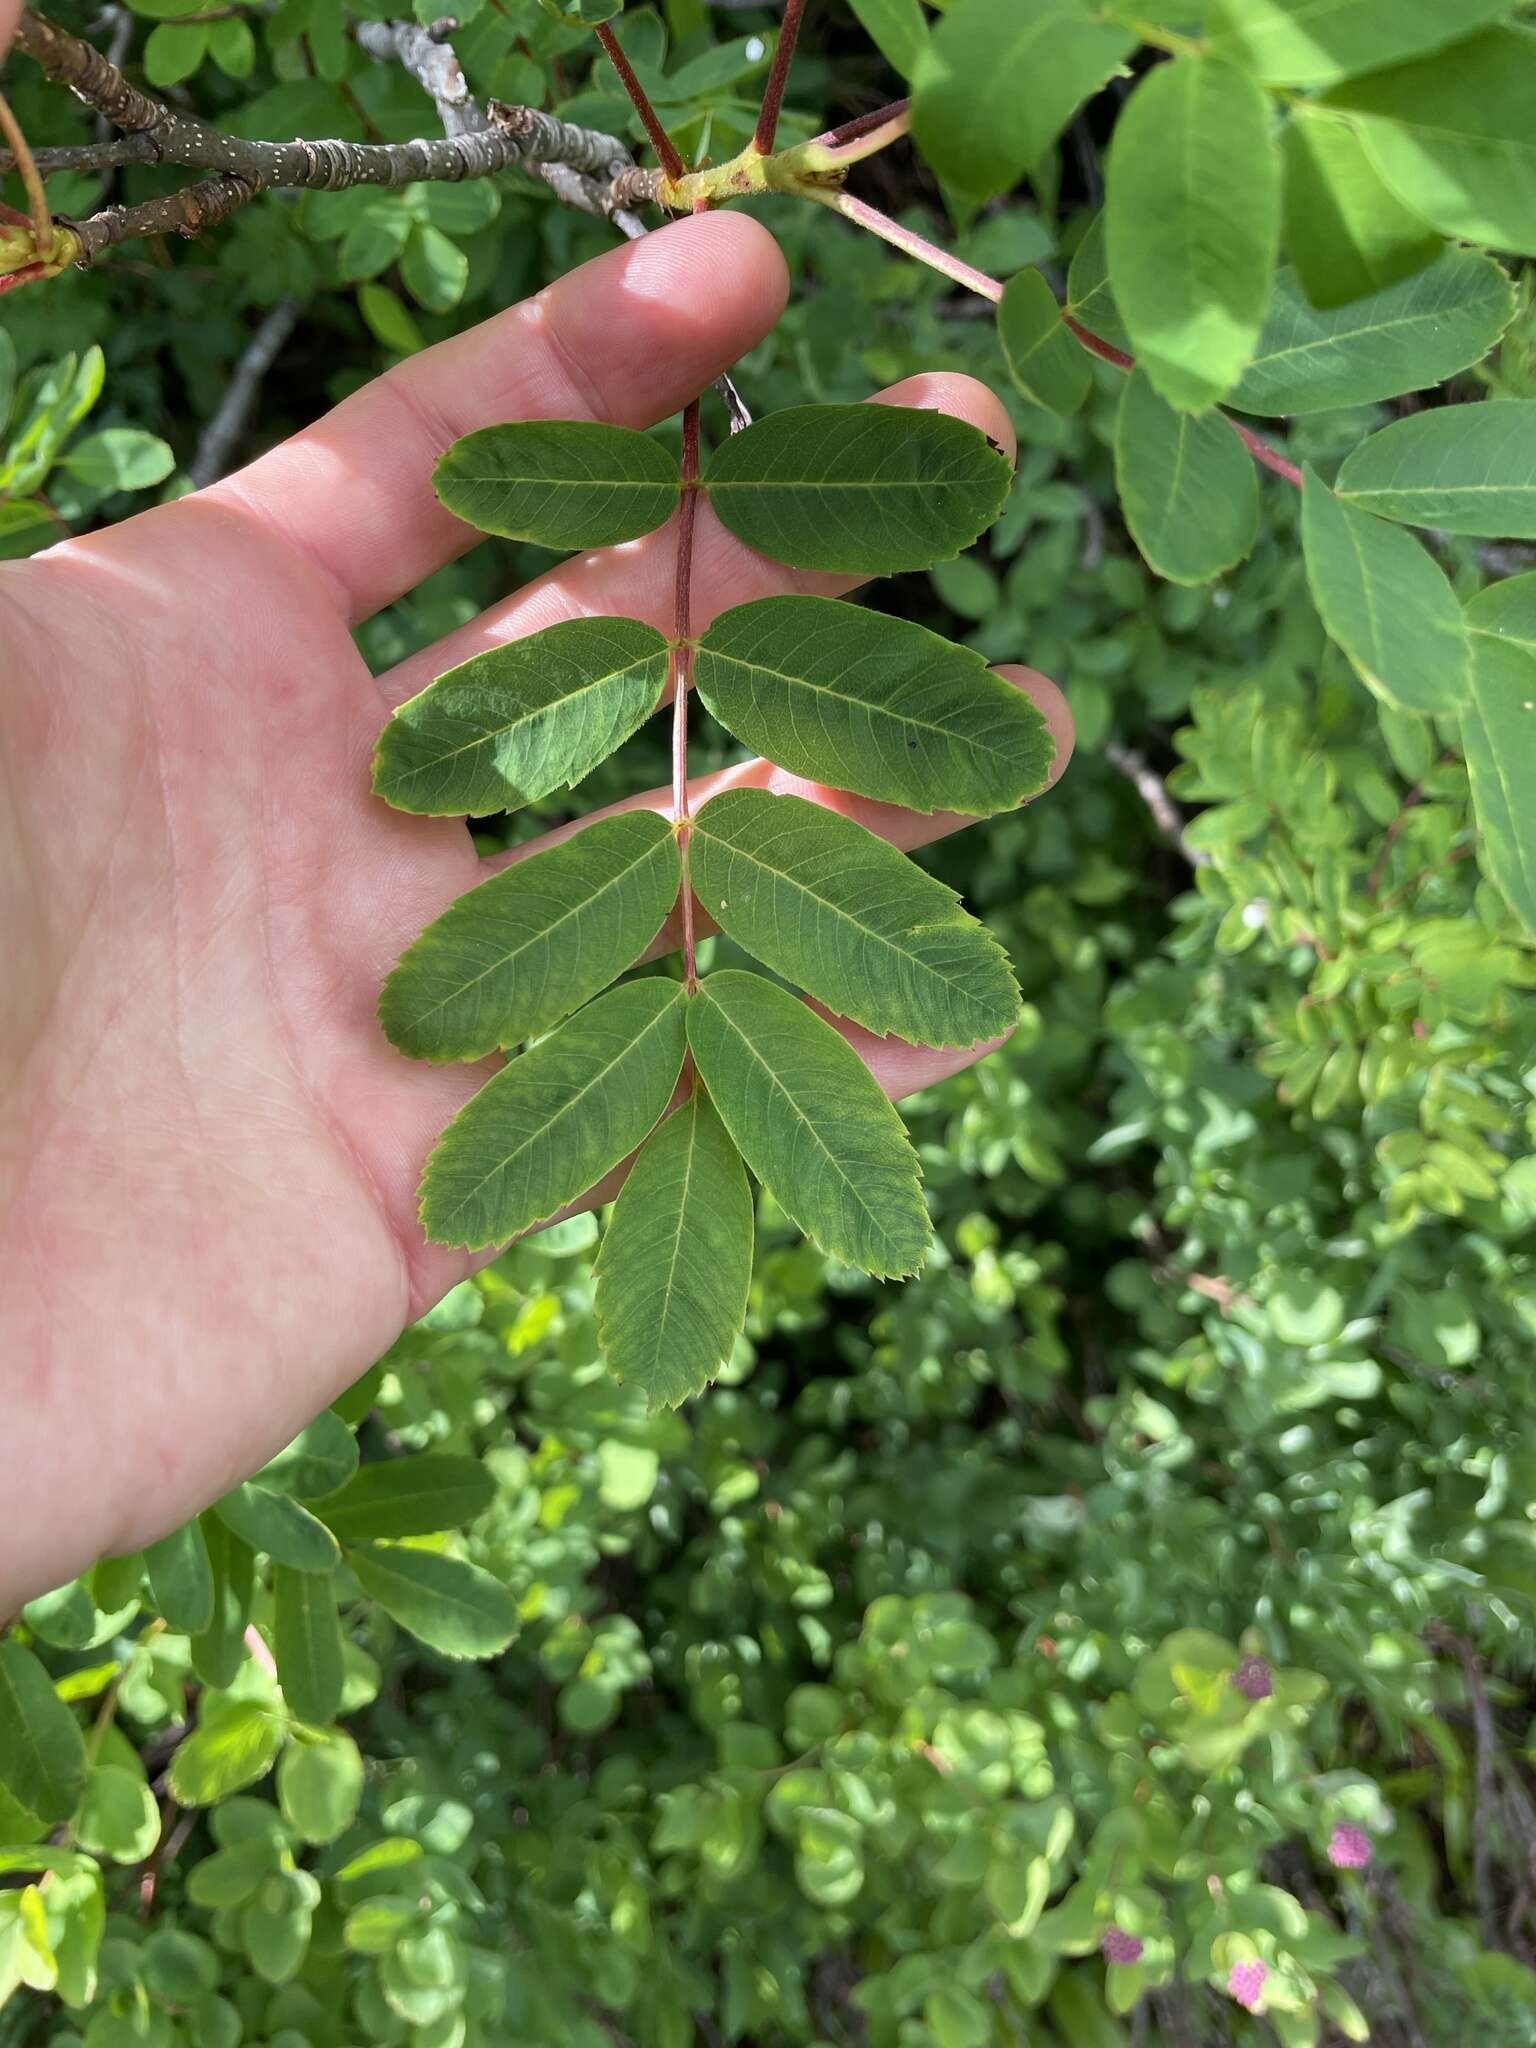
(208, 1152)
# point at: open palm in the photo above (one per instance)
(208, 1152)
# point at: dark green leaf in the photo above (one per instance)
(449, 1605)
(219, 1651)
(181, 1579)
(1316, 42)
(563, 483)
(1346, 231)
(1498, 725)
(416, 1496)
(42, 1752)
(1463, 468)
(1090, 299)
(1187, 486)
(1043, 358)
(306, 1639)
(272, 1522)
(321, 1457)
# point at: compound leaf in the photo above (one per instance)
(1385, 601)
(1043, 358)
(288, 1533)
(452, 1607)
(526, 948)
(871, 704)
(42, 1751)
(811, 1121)
(414, 1496)
(1463, 468)
(676, 1263)
(306, 1639)
(1317, 42)
(1187, 486)
(180, 1579)
(861, 490)
(1346, 230)
(840, 912)
(1498, 726)
(1193, 224)
(562, 483)
(508, 726)
(555, 1120)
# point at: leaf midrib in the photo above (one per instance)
(861, 703)
(495, 732)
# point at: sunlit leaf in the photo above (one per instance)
(453, 1607)
(42, 1751)
(236, 1741)
(306, 1639)
(1346, 231)
(413, 1496)
(1316, 42)
(288, 1533)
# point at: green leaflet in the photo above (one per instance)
(562, 483)
(219, 1651)
(1090, 298)
(1187, 486)
(1193, 222)
(236, 1741)
(838, 911)
(506, 727)
(288, 1533)
(42, 1752)
(897, 29)
(526, 948)
(1412, 335)
(1452, 135)
(999, 82)
(181, 1579)
(321, 1457)
(306, 1639)
(414, 1496)
(1316, 42)
(862, 490)
(1464, 468)
(319, 1784)
(676, 1262)
(871, 704)
(1347, 233)
(453, 1607)
(555, 1120)
(1385, 601)
(811, 1121)
(1043, 358)
(1498, 728)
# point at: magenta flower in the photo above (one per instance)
(1253, 1679)
(1246, 1984)
(1349, 1847)
(1120, 1947)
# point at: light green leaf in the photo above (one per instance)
(562, 483)
(1385, 601)
(1193, 224)
(627, 1473)
(897, 29)
(118, 1816)
(871, 704)
(434, 271)
(1452, 135)
(1317, 42)
(235, 1743)
(319, 1785)
(388, 319)
(306, 1639)
(811, 1121)
(999, 82)
(120, 459)
(862, 490)
(415, 1496)
(42, 1752)
(526, 948)
(232, 47)
(1187, 486)
(676, 1262)
(1498, 726)
(840, 912)
(1412, 335)
(1043, 358)
(554, 1121)
(453, 1607)
(374, 238)
(508, 726)
(1464, 468)
(321, 1457)
(272, 1522)
(1346, 231)
(181, 1579)
(173, 52)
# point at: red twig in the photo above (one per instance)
(661, 141)
(682, 670)
(778, 78)
(1261, 452)
(865, 124)
(1104, 350)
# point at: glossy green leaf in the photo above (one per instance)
(811, 1121)
(871, 704)
(1000, 81)
(1452, 135)
(320, 1784)
(526, 948)
(1407, 338)
(562, 483)
(288, 1533)
(1043, 358)
(1317, 42)
(181, 1579)
(862, 490)
(1193, 224)
(321, 1457)
(306, 1639)
(508, 726)
(840, 912)
(1498, 727)
(219, 1651)
(1463, 468)
(897, 28)
(1187, 486)
(414, 1496)
(42, 1752)
(676, 1261)
(1346, 231)
(236, 1741)
(453, 1607)
(553, 1122)
(1385, 601)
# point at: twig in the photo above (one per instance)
(773, 92)
(429, 58)
(661, 141)
(682, 667)
(227, 424)
(32, 184)
(1153, 791)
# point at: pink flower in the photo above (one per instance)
(1253, 1679)
(1120, 1947)
(1349, 1847)
(1246, 1984)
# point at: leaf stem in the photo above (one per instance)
(778, 78)
(682, 673)
(661, 141)
(32, 184)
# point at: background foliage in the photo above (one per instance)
(1142, 1594)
